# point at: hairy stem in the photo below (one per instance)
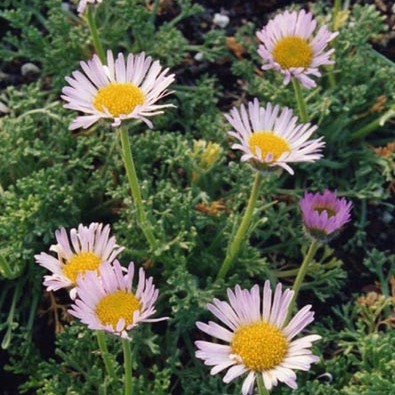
(300, 100)
(261, 386)
(127, 157)
(234, 246)
(101, 341)
(127, 360)
(301, 275)
(90, 18)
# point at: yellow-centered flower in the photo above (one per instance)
(255, 339)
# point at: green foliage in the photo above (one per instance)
(50, 177)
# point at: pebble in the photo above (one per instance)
(199, 57)
(65, 7)
(3, 108)
(29, 69)
(221, 20)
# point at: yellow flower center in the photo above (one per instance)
(268, 143)
(118, 98)
(113, 307)
(330, 211)
(293, 51)
(260, 346)
(80, 263)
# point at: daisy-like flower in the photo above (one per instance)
(86, 248)
(324, 214)
(258, 340)
(289, 46)
(268, 137)
(83, 3)
(107, 302)
(123, 89)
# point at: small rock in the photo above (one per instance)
(3, 76)
(3, 108)
(199, 57)
(65, 7)
(387, 217)
(221, 20)
(29, 69)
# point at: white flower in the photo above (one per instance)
(257, 339)
(107, 302)
(289, 46)
(269, 138)
(123, 89)
(86, 248)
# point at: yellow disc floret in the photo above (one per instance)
(118, 98)
(293, 51)
(260, 346)
(268, 143)
(113, 307)
(80, 263)
(329, 210)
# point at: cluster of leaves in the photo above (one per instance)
(50, 178)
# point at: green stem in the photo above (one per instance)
(10, 319)
(331, 76)
(301, 274)
(234, 246)
(261, 386)
(101, 341)
(90, 18)
(127, 360)
(286, 273)
(373, 125)
(337, 5)
(135, 189)
(10, 273)
(300, 100)
(154, 11)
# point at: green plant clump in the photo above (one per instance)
(195, 191)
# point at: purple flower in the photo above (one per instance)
(324, 214)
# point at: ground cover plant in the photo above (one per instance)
(197, 198)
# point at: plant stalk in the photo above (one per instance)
(300, 100)
(90, 18)
(127, 360)
(261, 386)
(234, 246)
(373, 125)
(301, 275)
(101, 341)
(135, 189)
(154, 11)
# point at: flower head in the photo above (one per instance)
(289, 46)
(123, 89)
(258, 340)
(107, 302)
(268, 137)
(324, 214)
(83, 3)
(86, 248)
